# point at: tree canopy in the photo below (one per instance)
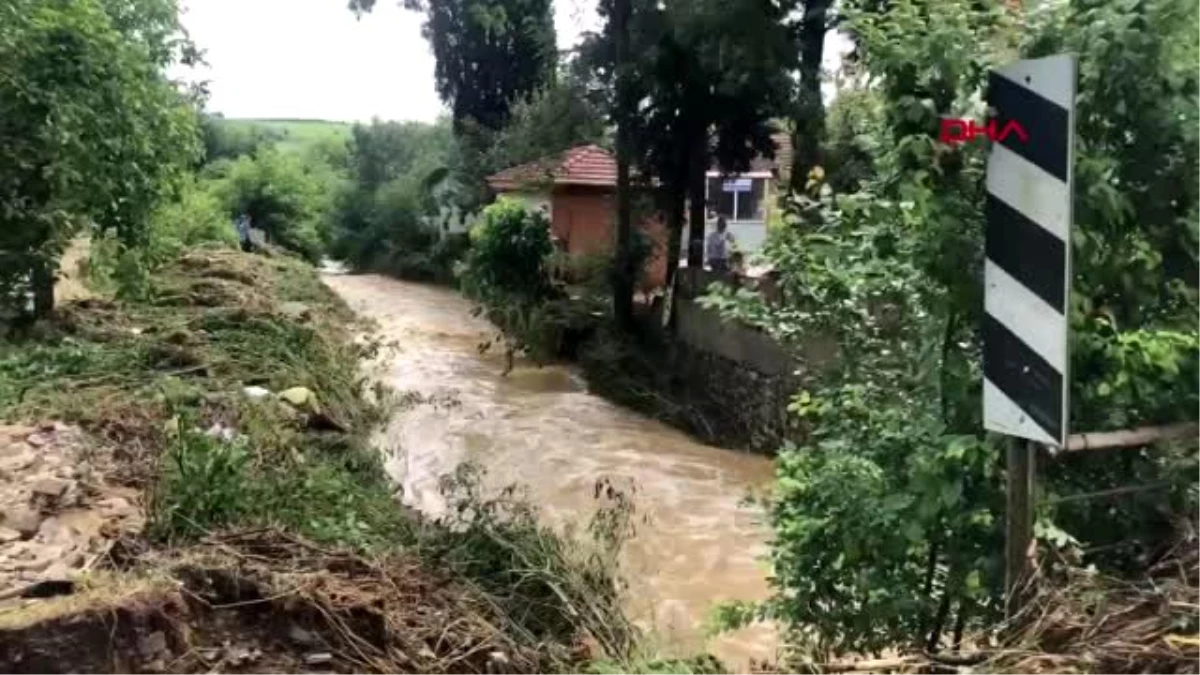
(91, 130)
(709, 77)
(888, 507)
(489, 53)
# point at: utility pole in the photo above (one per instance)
(623, 286)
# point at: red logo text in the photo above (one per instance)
(962, 131)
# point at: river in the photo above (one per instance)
(696, 542)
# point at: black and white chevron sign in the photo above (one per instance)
(1027, 273)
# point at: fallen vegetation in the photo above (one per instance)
(231, 399)
(1080, 621)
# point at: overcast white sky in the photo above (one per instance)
(314, 59)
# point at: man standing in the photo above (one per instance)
(719, 247)
(243, 231)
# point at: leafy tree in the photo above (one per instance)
(384, 151)
(91, 130)
(887, 510)
(289, 203)
(387, 233)
(558, 116)
(854, 136)
(225, 140)
(709, 77)
(509, 250)
(387, 218)
(489, 53)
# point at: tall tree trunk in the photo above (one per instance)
(623, 286)
(808, 121)
(676, 198)
(697, 166)
(42, 281)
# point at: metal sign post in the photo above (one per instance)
(1027, 278)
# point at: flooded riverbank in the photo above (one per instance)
(696, 544)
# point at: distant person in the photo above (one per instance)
(719, 247)
(243, 231)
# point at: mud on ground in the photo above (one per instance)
(58, 512)
(262, 601)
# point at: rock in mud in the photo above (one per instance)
(317, 659)
(50, 523)
(24, 520)
(301, 637)
(297, 311)
(302, 398)
(152, 645)
(255, 393)
(116, 507)
(50, 488)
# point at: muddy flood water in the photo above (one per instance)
(696, 542)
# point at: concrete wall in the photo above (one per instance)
(704, 329)
(744, 377)
(740, 377)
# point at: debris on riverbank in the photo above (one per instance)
(266, 601)
(1079, 621)
(58, 513)
(232, 406)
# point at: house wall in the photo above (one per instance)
(583, 218)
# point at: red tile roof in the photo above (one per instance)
(581, 165)
(593, 165)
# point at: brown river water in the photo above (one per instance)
(696, 543)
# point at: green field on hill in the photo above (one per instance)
(295, 133)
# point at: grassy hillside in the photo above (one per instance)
(295, 133)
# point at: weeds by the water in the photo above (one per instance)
(561, 588)
(176, 383)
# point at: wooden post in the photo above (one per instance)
(1019, 518)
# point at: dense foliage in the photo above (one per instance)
(508, 259)
(92, 133)
(396, 212)
(558, 116)
(283, 197)
(887, 513)
(223, 140)
(707, 79)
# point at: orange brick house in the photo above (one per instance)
(577, 190)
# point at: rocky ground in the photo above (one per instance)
(58, 515)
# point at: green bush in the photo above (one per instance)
(230, 139)
(384, 231)
(508, 260)
(196, 217)
(288, 202)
